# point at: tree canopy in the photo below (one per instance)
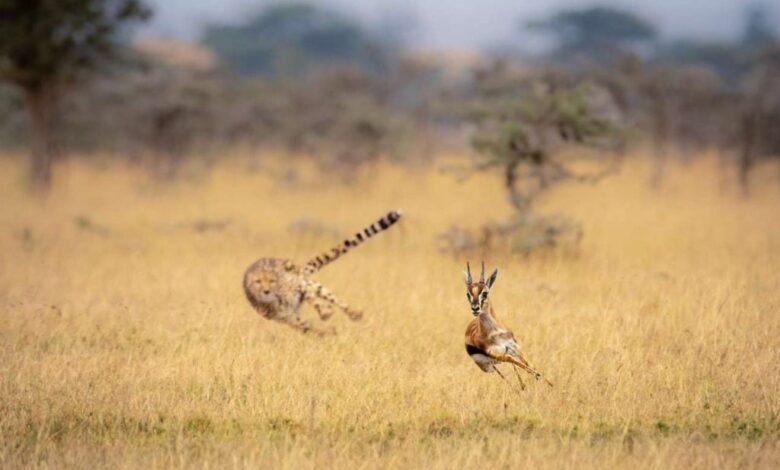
(287, 39)
(595, 32)
(45, 40)
(45, 44)
(758, 32)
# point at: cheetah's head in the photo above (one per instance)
(262, 286)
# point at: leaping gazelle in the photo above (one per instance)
(488, 342)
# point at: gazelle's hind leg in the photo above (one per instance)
(519, 379)
(504, 378)
(315, 289)
(528, 368)
(511, 355)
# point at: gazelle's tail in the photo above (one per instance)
(337, 251)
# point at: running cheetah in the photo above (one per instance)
(277, 288)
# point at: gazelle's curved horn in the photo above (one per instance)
(482, 274)
(468, 273)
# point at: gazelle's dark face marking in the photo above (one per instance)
(477, 292)
(477, 295)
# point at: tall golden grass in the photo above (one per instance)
(125, 339)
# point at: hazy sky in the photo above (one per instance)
(448, 24)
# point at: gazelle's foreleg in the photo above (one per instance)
(315, 289)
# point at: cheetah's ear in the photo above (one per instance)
(492, 278)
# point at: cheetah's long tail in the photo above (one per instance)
(337, 251)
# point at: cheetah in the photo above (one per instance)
(277, 288)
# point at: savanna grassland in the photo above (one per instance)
(126, 341)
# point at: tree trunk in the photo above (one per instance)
(40, 102)
(746, 154)
(661, 132)
(516, 199)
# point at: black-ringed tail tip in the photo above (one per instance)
(361, 236)
(382, 224)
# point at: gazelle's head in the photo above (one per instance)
(477, 292)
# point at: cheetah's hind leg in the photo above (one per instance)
(305, 327)
(323, 309)
(315, 289)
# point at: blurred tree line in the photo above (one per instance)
(684, 93)
(287, 40)
(294, 76)
(316, 82)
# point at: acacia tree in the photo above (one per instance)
(523, 122)
(535, 129)
(45, 46)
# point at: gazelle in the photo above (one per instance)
(488, 342)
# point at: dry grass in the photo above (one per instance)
(125, 339)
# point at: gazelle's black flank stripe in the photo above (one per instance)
(382, 224)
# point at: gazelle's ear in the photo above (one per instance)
(492, 278)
